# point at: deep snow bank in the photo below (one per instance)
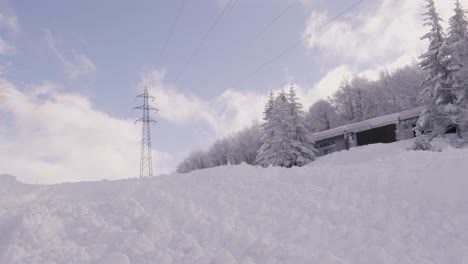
(376, 204)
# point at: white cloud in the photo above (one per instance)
(79, 65)
(75, 64)
(10, 23)
(384, 33)
(228, 112)
(221, 3)
(42, 89)
(327, 85)
(235, 110)
(5, 48)
(231, 110)
(49, 136)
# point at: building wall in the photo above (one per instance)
(405, 129)
(383, 134)
(401, 129)
(330, 145)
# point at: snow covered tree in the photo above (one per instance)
(342, 100)
(321, 116)
(437, 96)
(219, 152)
(245, 145)
(353, 102)
(285, 139)
(268, 107)
(398, 90)
(359, 99)
(195, 161)
(276, 139)
(302, 146)
(242, 146)
(457, 50)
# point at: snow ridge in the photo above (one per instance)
(376, 204)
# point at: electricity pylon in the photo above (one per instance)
(146, 164)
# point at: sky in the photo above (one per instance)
(70, 71)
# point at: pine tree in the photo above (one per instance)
(266, 133)
(437, 95)
(457, 50)
(268, 107)
(458, 24)
(302, 146)
(276, 140)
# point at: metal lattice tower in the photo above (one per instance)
(146, 165)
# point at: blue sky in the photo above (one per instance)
(70, 71)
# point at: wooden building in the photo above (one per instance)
(384, 129)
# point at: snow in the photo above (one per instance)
(373, 204)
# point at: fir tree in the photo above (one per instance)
(457, 50)
(437, 95)
(458, 24)
(268, 107)
(276, 140)
(302, 146)
(267, 133)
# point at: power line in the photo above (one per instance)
(229, 10)
(171, 29)
(247, 76)
(202, 42)
(259, 33)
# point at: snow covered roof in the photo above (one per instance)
(368, 124)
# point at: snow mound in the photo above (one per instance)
(7, 179)
(375, 204)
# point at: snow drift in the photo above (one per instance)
(375, 204)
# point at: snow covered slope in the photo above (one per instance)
(371, 205)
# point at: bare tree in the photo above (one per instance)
(245, 145)
(219, 152)
(242, 146)
(353, 100)
(195, 161)
(399, 90)
(321, 116)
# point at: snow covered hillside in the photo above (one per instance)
(370, 205)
